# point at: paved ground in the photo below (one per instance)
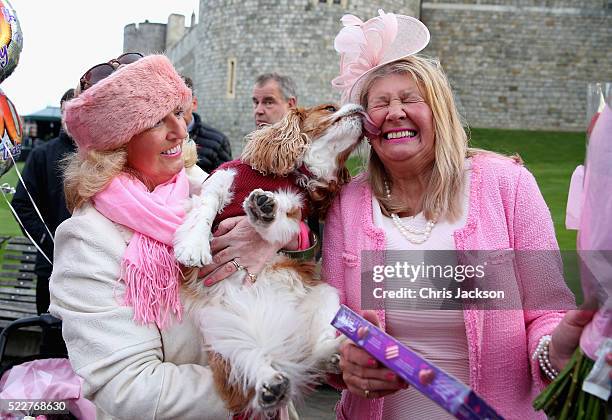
(320, 405)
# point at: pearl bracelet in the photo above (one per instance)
(541, 354)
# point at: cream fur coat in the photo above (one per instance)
(129, 371)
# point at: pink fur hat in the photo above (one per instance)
(129, 101)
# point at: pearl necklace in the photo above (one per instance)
(412, 234)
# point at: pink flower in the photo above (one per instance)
(362, 47)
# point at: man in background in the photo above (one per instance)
(273, 96)
(42, 175)
(213, 146)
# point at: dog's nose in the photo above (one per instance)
(274, 393)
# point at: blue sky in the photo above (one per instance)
(64, 38)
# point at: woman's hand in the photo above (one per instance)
(566, 338)
(362, 374)
(236, 240)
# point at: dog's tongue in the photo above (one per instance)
(368, 124)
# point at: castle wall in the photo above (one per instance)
(287, 36)
(182, 55)
(175, 29)
(512, 63)
(531, 4)
(144, 37)
(525, 65)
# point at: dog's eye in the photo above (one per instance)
(331, 108)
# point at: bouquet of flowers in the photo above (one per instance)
(582, 389)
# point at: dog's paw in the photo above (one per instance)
(261, 207)
(332, 365)
(273, 392)
(327, 354)
(193, 255)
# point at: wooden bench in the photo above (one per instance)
(17, 280)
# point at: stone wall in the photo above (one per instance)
(556, 4)
(512, 63)
(287, 36)
(175, 29)
(522, 66)
(144, 37)
(182, 55)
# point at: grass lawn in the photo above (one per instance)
(8, 225)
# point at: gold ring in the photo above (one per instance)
(252, 277)
(367, 393)
(237, 265)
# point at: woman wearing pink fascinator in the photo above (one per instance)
(425, 190)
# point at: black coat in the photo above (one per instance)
(213, 147)
(44, 180)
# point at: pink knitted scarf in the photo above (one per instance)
(149, 269)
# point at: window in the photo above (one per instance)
(30, 129)
(342, 3)
(231, 78)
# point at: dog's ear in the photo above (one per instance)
(190, 153)
(277, 149)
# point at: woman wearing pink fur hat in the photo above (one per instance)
(115, 280)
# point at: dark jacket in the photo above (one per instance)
(213, 147)
(44, 180)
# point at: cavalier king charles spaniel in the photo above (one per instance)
(270, 340)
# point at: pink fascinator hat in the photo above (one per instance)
(366, 46)
(129, 101)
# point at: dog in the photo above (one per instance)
(270, 340)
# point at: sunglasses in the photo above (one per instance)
(103, 70)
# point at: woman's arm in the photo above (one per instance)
(129, 370)
(331, 268)
(546, 297)
(333, 246)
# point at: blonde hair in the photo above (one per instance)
(85, 176)
(88, 174)
(443, 193)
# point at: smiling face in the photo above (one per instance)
(398, 108)
(156, 153)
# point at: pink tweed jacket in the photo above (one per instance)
(506, 211)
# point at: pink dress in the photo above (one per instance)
(438, 335)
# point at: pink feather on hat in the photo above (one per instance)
(364, 47)
(129, 101)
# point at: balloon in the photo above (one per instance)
(11, 39)
(11, 132)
